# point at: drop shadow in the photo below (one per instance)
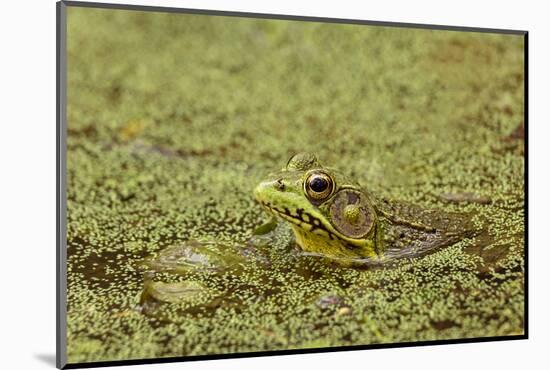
(47, 358)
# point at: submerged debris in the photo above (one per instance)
(517, 134)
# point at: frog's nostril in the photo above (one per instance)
(280, 184)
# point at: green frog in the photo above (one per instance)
(331, 215)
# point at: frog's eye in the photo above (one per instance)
(318, 186)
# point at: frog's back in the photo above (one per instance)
(409, 230)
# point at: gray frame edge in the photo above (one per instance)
(61, 176)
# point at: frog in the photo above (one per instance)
(316, 212)
(333, 216)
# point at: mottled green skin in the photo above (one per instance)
(174, 119)
(391, 228)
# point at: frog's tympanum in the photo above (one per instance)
(331, 215)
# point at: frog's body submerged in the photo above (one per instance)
(333, 216)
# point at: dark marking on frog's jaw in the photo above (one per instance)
(301, 218)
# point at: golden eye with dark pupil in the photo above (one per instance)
(319, 186)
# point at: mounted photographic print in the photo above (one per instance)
(235, 184)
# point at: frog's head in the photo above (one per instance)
(329, 213)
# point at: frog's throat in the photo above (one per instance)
(317, 243)
(312, 236)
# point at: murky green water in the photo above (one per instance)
(173, 119)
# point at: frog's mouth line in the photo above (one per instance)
(299, 218)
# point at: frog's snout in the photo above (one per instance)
(265, 188)
(279, 185)
(258, 190)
